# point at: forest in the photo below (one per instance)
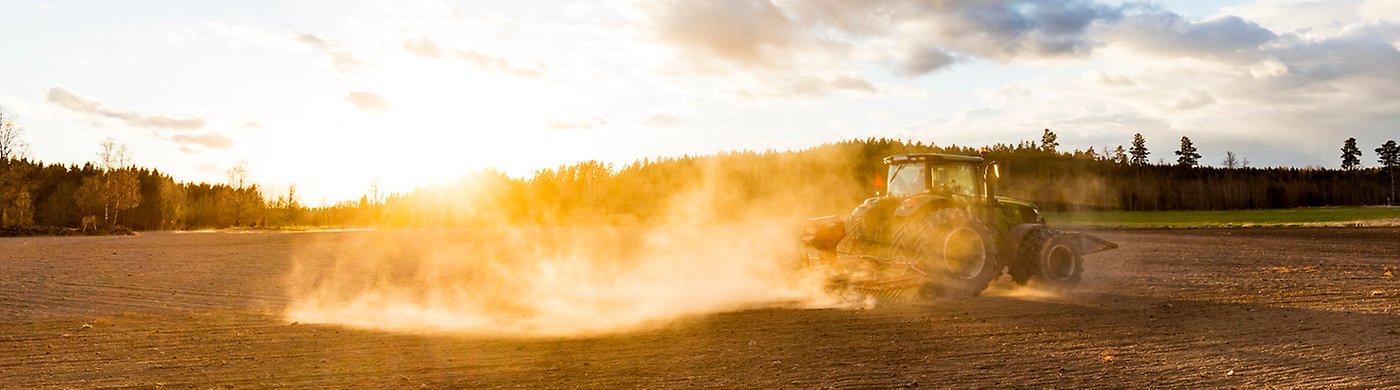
(110, 193)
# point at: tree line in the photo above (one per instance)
(827, 179)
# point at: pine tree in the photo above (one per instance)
(1187, 156)
(1351, 155)
(1389, 157)
(1139, 150)
(1047, 142)
(1120, 156)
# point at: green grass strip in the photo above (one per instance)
(1313, 216)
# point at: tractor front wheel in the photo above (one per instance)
(1050, 258)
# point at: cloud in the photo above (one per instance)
(747, 33)
(343, 60)
(1111, 79)
(209, 140)
(927, 36)
(1193, 99)
(1166, 33)
(852, 83)
(809, 49)
(427, 49)
(369, 101)
(577, 125)
(496, 64)
(1009, 30)
(805, 87)
(72, 101)
(926, 60)
(424, 48)
(662, 120)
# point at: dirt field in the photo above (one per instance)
(1184, 308)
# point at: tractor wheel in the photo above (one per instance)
(859, 236)
(955, 250)
(1022, 264)
(866, 236)
(1052, 259)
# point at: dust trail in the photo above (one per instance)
(1031, 292)
(562, 281)
(545, 281)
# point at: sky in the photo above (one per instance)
(333, 95)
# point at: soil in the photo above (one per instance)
(1290, 307)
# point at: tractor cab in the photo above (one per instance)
(938, 174)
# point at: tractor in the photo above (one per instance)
(937, 228)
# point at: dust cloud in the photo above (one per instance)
(552, 281)
(1031, 292)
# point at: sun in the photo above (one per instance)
(447, 121)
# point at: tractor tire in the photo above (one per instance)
(1051, 259)
(866, 236)
(1021, 262)
(861, 235)
(955, 251)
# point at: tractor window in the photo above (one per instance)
(906, 179)
(958, 179)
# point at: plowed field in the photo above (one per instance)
(1179, 308)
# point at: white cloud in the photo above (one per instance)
(428, 49)
(662, 120)
(369, 102)
(72, 101)
(1193, 98)
(209, 140)
(343, 60)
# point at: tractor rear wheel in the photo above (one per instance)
(955, 251)
(1051, 258)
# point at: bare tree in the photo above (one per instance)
(1230, 160)
(238, 175)
(112, 156)
(373, 193)
(15, 206)
(248, 200)
(11, 147)
(115, 188)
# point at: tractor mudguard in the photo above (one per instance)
(864, 207)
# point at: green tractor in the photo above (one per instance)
(938, 229)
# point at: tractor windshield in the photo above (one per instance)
(958, 179)
(906, 179)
